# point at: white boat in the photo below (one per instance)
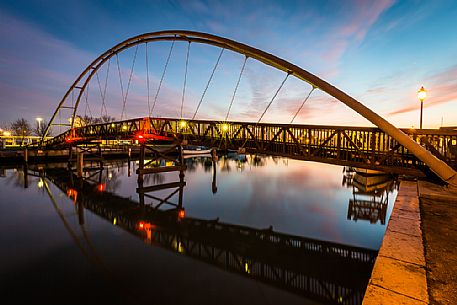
(196, 150)
(368, 171)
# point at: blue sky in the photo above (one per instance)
(379, 52)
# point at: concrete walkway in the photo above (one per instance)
(399, 274)
(417, 261)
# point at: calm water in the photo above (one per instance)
(66, 241)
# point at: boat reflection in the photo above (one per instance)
(370, 194)
(320, 270)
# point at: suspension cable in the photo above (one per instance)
(185, 79)
(147, 78)
(130, 79)
(236, 88)
(268, 106)
(301, 106)
(163, 75)
(103, 93)
(87, 102)
(207, 85)
(120, 77)
(273, 98)
(106, 85)
(100, 90)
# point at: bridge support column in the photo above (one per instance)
(141, 166)
(79, 163)
(26, 176)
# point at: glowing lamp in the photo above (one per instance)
(73, 194)
(101, 187)
(422, 94)
(39, 122)
(124, 127)
(182, 124)
(181, 214)
(145, 226)
(225, 127)
(246, 268)
(6, 133)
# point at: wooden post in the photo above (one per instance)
(26, 155)
(70, 156)
(79, 163)
(141, 166)
(214, 154)
(181, 189)
(80, 208)
(214, 183)
(338, 144)
(26, 178)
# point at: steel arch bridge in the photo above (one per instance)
(381, 144)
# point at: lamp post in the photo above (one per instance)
(421, 94)
(39, 123)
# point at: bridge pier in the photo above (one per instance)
(145, 168)
(79, 163)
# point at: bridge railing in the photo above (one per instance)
(350, 146)
(365, 146)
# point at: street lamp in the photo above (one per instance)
(39, 123)
(421, 94)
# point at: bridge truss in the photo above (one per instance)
(364, 147)
(80, 86)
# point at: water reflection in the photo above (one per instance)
(324, 271)
(370, 194)
(245, 195)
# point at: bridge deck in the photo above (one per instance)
(364, 147)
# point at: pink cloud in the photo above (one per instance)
(442, 89)
(366, 13)
(353, 29)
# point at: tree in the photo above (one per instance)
(88, 120)
(40, 129)
(21, 128)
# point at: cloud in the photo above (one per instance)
(365, 14)
(442, 89)
(35, 69)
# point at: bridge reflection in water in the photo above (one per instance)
(320, 270)
(370, 194)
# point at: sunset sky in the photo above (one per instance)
(379, 52)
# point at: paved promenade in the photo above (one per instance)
(417, 261)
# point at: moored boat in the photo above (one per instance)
(196, 150)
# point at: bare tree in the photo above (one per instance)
(107, 119)
(21, 128)
(88, 120)
(4, 127)
(40, 129)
